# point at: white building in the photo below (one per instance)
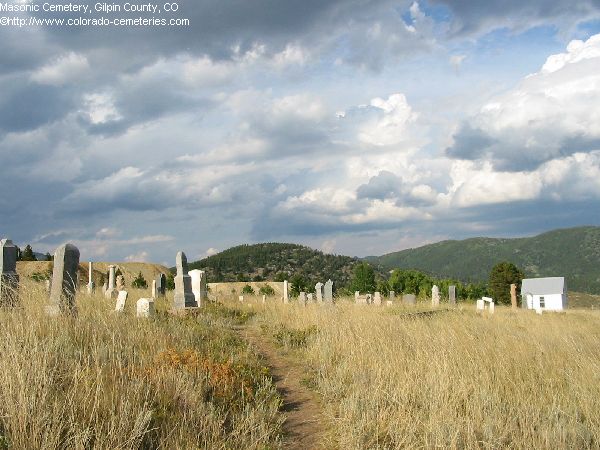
(548, 294)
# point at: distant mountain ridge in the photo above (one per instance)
(571, 252)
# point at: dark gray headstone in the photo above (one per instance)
(64, 280)
(9, 280)
(184, 297)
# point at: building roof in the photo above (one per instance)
(541, 286)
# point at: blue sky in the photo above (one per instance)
(353, 127)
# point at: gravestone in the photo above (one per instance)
(241, 299)
(9, 280)
(480, 305)
(104, 287)
(264, 299)
(286, 296)
(377, 299)
(491, 308)
(389, 303)
(153, 290)
(409, 299)
(369, 299)
(319, 290)
(111, 290)
(184, 297)
(64, 280)
(328, 291)
(513, 296)
(145, 307)
(309, 297)
(356, 296)
(90, 285)
(48, 285)
(121, 300)
(302, 298)
(392, 296)
(435, 296)
(161, 284)
(198, 285)
(452, 295)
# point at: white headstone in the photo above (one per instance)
(480, 305)
(121, 300)
(198, 285)
(389, 303)
(435, 296)
(319, 291)
(302, 298)
(241, 299)
(264, 299)
(154, 290)
(309, 297)
(328, 291)
(491, 308)
(90, 285)
(145, 307)
(392, 296)
(111, 290)
(377, 299)
(286, 295)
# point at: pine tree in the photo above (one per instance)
(501, 277)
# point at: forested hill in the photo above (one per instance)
(572, 252)
(274, 261)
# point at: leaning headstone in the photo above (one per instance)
(377, 299)
(513, 296)
(452, 295)
(161, 284)
(111, 290)
(197, 276)
(90, 285)
(319, 291)
(64, 280)
(392, 296)
(121, 300)
(145, 307)
(435, 296)
(409, 299)
(286, 295)
(184, 297)
(9, 280)
(328, 291)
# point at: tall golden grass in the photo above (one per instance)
(106, 380)
(454, 379)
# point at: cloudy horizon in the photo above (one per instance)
(354, 127)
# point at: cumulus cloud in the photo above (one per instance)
(552, 113)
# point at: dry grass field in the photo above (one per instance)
(386, 377)
(106, 380)
(454, 379)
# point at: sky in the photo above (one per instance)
(356, 127)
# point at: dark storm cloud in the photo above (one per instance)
(382, 186)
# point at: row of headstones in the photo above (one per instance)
(323, 293)
(409, 299)
(189, 292)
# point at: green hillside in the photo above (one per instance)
(573, 253)
(274, 261)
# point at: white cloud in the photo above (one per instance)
(391, 126)
(137, 257)
(63, 70)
